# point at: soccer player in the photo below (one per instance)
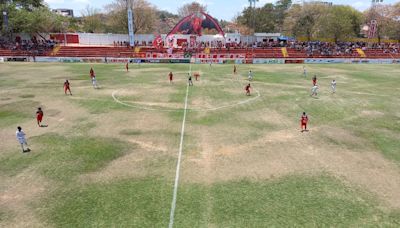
(94, 82)
(304, 71)
(92, 74)
(250, 76)
(314, 80)
(93, 77)
(67, 87)
(333, 85)
(304, 121)
(39, 116)
(314, 90)
(190, 81)
(196, 75)
(21, 139)
(171, 77)
(234, 69)
(127, 66)
(247, 88)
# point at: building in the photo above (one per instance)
(64, 12)
(323, 3)
(302, 2)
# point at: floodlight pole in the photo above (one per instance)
(5, 21)
(253, 7)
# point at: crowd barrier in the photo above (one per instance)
(197, 60)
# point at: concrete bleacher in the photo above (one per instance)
(117, 52)
(127, 52)
(16, 53)
(380, 54)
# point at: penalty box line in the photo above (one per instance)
(178, 165)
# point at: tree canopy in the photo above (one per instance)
(190, 8)
(310, 20)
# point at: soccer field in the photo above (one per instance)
(109, 156)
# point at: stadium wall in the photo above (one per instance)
(197, 60)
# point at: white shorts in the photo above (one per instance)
(21, 140)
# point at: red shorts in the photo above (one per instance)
(39, 117)
(66, 88)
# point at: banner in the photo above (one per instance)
(130, 28)
(324, 61)
(70, 60)
(268, 61)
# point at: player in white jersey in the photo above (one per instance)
(21, 139)
(94, 82)
(250, 76)
(314, 90)
(304, 71)
(333, 86)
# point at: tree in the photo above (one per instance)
(280, 12)
(388, 18)
(394, 30)
(13, 8)
(42, 20)
(39, 20)
(268, 18)
(143, 12)
(260, 19)
(165, 21)
(92, 20)
(302, 20)
(339, 22)
(25, 4)
(190, 8)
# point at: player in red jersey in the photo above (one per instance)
(67, 87)
(196, 75)
(93, 77)
(39, 116)
(127, 67)
(314, 80)
(304, 121)
(247, 88)
(92, 74)
(171, 77)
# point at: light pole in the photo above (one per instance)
(65, 27)
(253, 7)
(5, 21)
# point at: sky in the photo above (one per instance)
(220, 9)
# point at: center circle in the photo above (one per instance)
(167, 99)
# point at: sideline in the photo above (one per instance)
(178, 166)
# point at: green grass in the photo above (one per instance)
(62, 158)
(27, 96)
(101, 106)
(296, 201)
(128, 203)
(130, 132)
(293, 201)
(215, 144)
(15, 112)
(389, 146)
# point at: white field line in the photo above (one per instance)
(178, 166)
(114, 95)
